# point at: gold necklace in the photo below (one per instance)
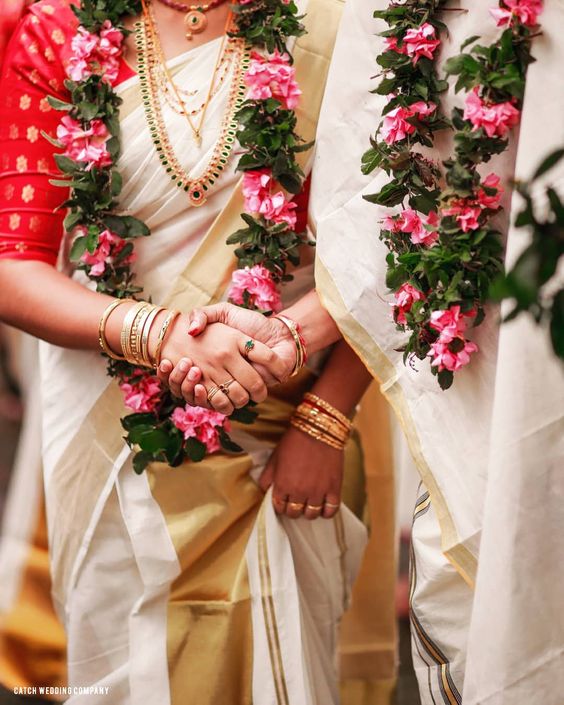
(195, 19)
(148, 58)
(156, 43)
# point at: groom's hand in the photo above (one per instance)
(268, 330)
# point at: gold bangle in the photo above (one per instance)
(162, 334)
(311, 398)
(314, 433)
(325, 424)
(301, 355)
(102, 329)
(145, 332)
(134, 343)
(338, 438)
(126, 328)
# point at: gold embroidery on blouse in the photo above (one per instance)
(21, 163)
(20, 247)
(42, 166)
(58, 37)
(34, 19)
(49, 54)
(48, 9)
(28, 193)
(9, 192)
(33, 48)
(44, 105)
(35, 223)
(55, 85)
(14, 132)
(34, 76)
(15, 220)
(32, 134)
(25, 102)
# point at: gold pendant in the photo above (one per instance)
(195, 22)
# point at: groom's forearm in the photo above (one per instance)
(317, 327)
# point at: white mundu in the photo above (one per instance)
(489, 448)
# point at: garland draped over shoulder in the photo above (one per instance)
(444, 251)
(163, 428)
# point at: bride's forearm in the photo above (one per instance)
(39, 300)
(344, 379)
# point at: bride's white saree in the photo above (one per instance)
(181, 585)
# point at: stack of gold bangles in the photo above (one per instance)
(135, 332)
(322, 421)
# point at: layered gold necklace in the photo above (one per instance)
(154, 75)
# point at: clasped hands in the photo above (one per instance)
(208, 349)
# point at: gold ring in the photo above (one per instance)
(314, 507)
(332, 506)
(213, 391)
(249, 345)
(297, 506)
(225, 386)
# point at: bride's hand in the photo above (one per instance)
(306, 476)
(220, 355)
(267, 330)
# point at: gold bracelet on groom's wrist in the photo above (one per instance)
(301, 348)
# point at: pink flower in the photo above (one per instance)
(259, 286)
(258, 199)
(202, 424)
(450, 323)
(391, 44)
(256, 187)
(420, 42)
(496, 118)
(277, 209)
(94, 54)
(410, 222)
(524, 11)
(395, 126)
(446, 359)
(85, 145)
(142, 393)
(466, 214)
(109, 247)
(405, 296)
(272, 76)
(492, 181)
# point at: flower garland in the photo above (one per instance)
(443, 249)
(163, 427)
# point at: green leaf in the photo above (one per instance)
(549, 162)
(78, 249)
(154, 441)
(141, 460)
(195, 450)
(446, 378)
(59, 104)
(132, 420)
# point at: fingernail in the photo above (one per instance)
(164, 366)
(193, 374)
(183, 366)
(192, 328)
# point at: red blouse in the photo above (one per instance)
(31, 227)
